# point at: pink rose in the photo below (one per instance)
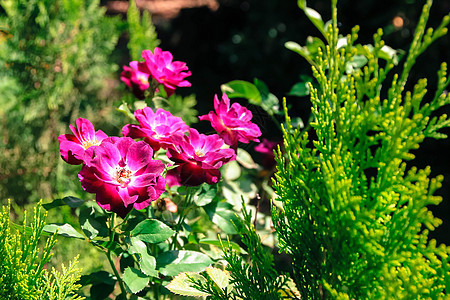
(157, 128)
(233, 123)
(123, 175)
(73, 146)
(198, 158)
(169, 73)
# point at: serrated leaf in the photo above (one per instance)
(242, 89)
(135, 280)
(182, 285)
(205, 194)
(90, 225)
(172, 263)
(63, 229)
(220, 277)
(123, 108)
(152, 231)
(53, 204)
(147, 262)
(223, 215)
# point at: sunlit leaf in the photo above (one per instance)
(63, 229)
(147, 262)
(135, 280)
(220, 277)
(172, 263)
(152, 231)
(242, 89)
(182, 285)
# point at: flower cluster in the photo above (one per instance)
(158, 66)
(122, 172)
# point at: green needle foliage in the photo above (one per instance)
(141, 31)
(355, 219)
(22, 264)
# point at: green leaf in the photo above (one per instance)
(315, 18)
(123, 108)
(231, 171)
(313, 44)
(135, 280)
(220, 277)
(97, 277)
(53, 204)
(63, 229)
(147, 262)
(182, 285)
(152, 231)
(223, 215)
(299, 89)
(71, 201)
(90, 225)
(225, 244)
(271, 104)
(293, 46)
(242, 89)
(245, 159)
(172, 263)
(205, 194)
(357, 62)
(100, 291)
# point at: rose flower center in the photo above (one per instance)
(88, 143)
(199, 153)
(123, 175)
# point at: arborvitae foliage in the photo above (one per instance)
(355, 218)
(22, 264)
(255, 278)
(142, 32)
(54, 59)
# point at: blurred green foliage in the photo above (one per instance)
(54, 67)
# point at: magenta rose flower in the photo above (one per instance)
(266, 148)
(198, 158)
(169, 73)
(136, 76)
(123, 175)
(233, 123)
(73, 146)
(157, 128)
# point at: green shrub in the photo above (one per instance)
(23, 273)
(355, 218)
(54, 62)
